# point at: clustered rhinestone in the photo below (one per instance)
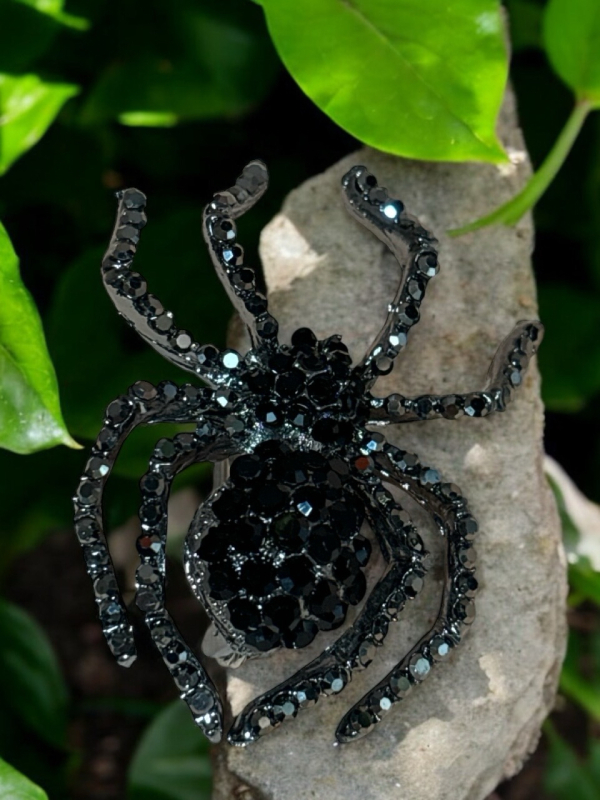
(276, 553)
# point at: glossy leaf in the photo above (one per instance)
(419, 79)
(28, 107)
(572, 41)
(171, 762)
(30, 416)
(31, 683)
(55, 9)
(207, 63)
(14, 786)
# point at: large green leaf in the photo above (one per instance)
(572, 40)
(418, 78)
(30, 416)
(171, 762)
(208, 62)
(28, 106)
(14, 786)
(31, 683)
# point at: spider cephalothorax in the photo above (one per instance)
(276, 553)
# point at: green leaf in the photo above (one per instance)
(31, 683)
(28, 107)
(171, 762)
(525, 17)
(567, 778)
(572, 41)
(207, 63)
(14, 786)
(55, 10)
(30, 416)
(585, 581)
(570, 365)
(419, 79)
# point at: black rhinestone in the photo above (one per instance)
(258, 578)
(246, 469)
(231, 504)
(300, 634)
(222, 229)
(346, 567)
(346, 518)
(233, 256)
(266, 326)
(306, 694)
(477, 406)
(295, 469)
(310, 502)
(379, 630)
(291, 531)
(413, 584)
(400, 684)
(365, 181)
(427, 263)
(332, 431)
(243, 279)
(260, 382)
(272, 449)
(244, 614)
(272, 497)
(133, 217)
(263, 638)
(213, 546)
(333, 680)
(245, 537)
(269, 414)
(416, 289)
(281, 612)
(118, 411)
(296, 576)
(223, 582)
(207, 356)
(303, 337)
(466, 584)
(256, 303)
(97, 467)
(355, 591)
(325, 604)
(323, 390)
(165, 450)
(323, 545)
(362, 549)
(452, 406)
(289, 384)
(467, 527)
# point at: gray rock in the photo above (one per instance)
(475, 720)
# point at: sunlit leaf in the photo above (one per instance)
(423, 80)
(572, 41)
(171, 762)
(31, 683)
(28, 106)
(14, 786)
(55, 9)
(30, 416)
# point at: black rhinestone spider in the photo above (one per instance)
(275, 554)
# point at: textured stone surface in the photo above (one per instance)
(474, 721)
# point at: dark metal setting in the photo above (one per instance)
(276, 554)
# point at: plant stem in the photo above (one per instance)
(511, 212)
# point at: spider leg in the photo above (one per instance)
(228, 257)
(142, 405)
(415, 250)
(504, 376)
(172, 456)
(331, 671)
(143, 311)
(449, 510)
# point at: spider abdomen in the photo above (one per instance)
(284, 558)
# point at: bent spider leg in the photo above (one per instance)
(331, 671)
(143, 404)
(144, 312)
(413, 247)
(504, 376)
(457, 611)
(228, 256)
(172, 456)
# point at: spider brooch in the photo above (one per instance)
(276, 554)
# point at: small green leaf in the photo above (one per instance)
(585, 581)
(572, 41)
(30, 416)
(28, 107)
(55, 10)
(14, 786)
(31, 683)
(423, 80)
(171, 762)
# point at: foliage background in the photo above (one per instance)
(172, 97)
